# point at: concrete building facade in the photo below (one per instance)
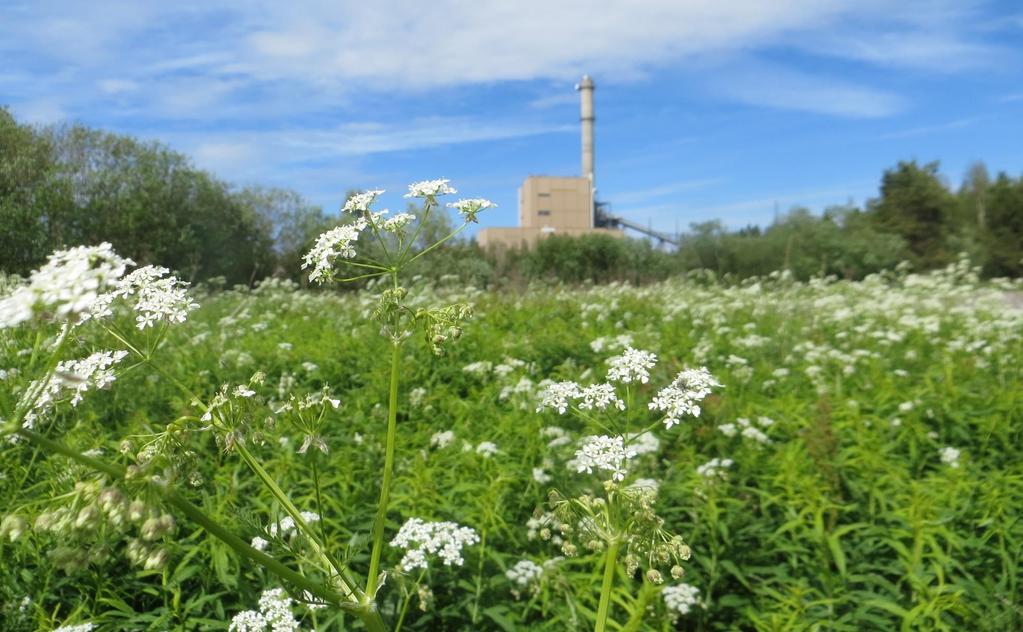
(548, 205)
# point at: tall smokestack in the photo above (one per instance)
(587, 118)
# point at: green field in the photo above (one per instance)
(841, 507)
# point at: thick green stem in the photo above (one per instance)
(605, 587)
(385, 487)
(370, 618)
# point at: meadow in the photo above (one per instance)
(853, 463)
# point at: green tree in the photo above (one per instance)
(916, 206)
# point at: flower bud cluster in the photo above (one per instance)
(96, 509)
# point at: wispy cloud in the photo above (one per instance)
(231, 151)
(927, 130)
(672, 188)
(775, 87)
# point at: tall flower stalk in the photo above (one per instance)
(82, 289)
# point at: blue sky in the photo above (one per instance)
(706, 109)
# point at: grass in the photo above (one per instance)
(847, 520)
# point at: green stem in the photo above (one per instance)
(370, 618)
(449, 236)
(385, 487)
(350, 583)
(605, 587)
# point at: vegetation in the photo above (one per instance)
(71, 185)
(850, 458)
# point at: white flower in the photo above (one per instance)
(683, 395)
(81, 627)
(243, 391)
(72, 376)
(274, 611)
(557, 396)
(524, 573)
(360, 201)
(950, 456)
(632, 366)
(398, 222)
(470, 208)
(729, 430)
(600, 396)
(603, 453)
(442, 439)
(443, 539)
(541, 476)
(67, 285)
(336, 242)
(714, 468)
(754, 433)
(429, 188)
(158, 298)
(645, 443)
(487, 449)
(681, 598)
(259, 543)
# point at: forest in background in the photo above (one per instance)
(68, 185)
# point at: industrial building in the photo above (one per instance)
(565, 205)
(555, 204)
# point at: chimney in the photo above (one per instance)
(586, 117)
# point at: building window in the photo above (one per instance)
(543, 195)
(543, 213)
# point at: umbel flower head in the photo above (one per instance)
(158, 298)
(684, 394)
(603, 453)
(67, 285)
(471, 208)
(443, 539)
(331, 245)
(429, 189)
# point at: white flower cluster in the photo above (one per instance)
(681, 598)
(336, 242)
(286, 526)
(65, 286)
(611, 343)
(469, 209)
(486, 449)
(748, 429)
(632, 366)
(600, 396)
(645, 443)
(429, 188)
(398, 222)
(75, 377)
(420, 539)
(274, 613)
(684, 394)
(81, 627)
(159, 298)
(524, 573)
(442, 439)
(603, 453)
(360, 201)
(557, 396)
(714, 468)
(950, 456)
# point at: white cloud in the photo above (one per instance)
(774, 87)
(926, 130)
(642, 195)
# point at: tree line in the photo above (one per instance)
(68, 185)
